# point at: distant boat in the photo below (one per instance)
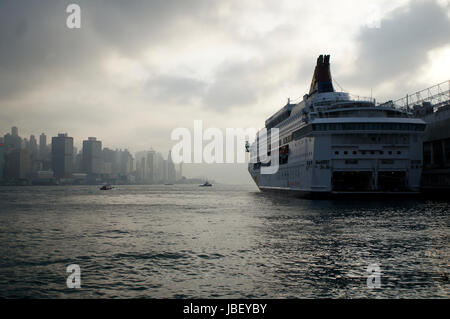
(106, 187)
(205, 184)
(168, 184)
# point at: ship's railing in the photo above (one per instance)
(339, 103)
(437, 95)
(359, 98)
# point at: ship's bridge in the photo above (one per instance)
(327, 98)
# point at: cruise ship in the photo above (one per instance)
(331, 143)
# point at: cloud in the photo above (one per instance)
(177, 89)
(38, 48)
(245, 82)
(400, 46)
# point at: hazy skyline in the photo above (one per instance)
(137, 70)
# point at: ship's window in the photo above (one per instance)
(301, 132)
(369, 126)
(337, 153)
(354, 152)
(398, 152)
(372, 152)
(345, 152)
(381, 152)
(363, 152)
(390, 152)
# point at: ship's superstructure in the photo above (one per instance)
(332, 143)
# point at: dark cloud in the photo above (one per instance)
(129, 26)
(400, 46)
(38, 48)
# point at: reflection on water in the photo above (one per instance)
(183, 241)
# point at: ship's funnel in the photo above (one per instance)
(321, 81)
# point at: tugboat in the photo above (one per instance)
(205, 184)
(106, 187)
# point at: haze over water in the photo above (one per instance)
(184, 241)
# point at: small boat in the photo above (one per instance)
(205, 184)
(106, 187)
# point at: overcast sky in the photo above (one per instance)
(138, 69)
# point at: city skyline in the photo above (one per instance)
(22, 159)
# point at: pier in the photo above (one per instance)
(433, 106)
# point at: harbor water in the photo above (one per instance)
(185, 241)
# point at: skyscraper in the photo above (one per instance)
(17, 164)
(33, 146)
(150, 167)
(165, 178)
(43, 146)
(62, 156)
(2, 158)
(14, 131)
(12, 142)
(126, 165)
(171, 173)
(92, 161)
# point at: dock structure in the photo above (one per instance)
(433, 106)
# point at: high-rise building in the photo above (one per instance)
(159, 168)
(92, 158)
(111, 162)
(171, 173)
(145, 166)
(42, 145)
(25, 144)
(14, 131)
(126, 162)
(62, 156)
(33, 149)
(12, 142)
(17, 164)
(44, 154)
(165, 175)
(33, 146)
(150, 164)
(2, 158)
(141, 170)
(78, 163)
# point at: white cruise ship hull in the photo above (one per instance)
(331, 144)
